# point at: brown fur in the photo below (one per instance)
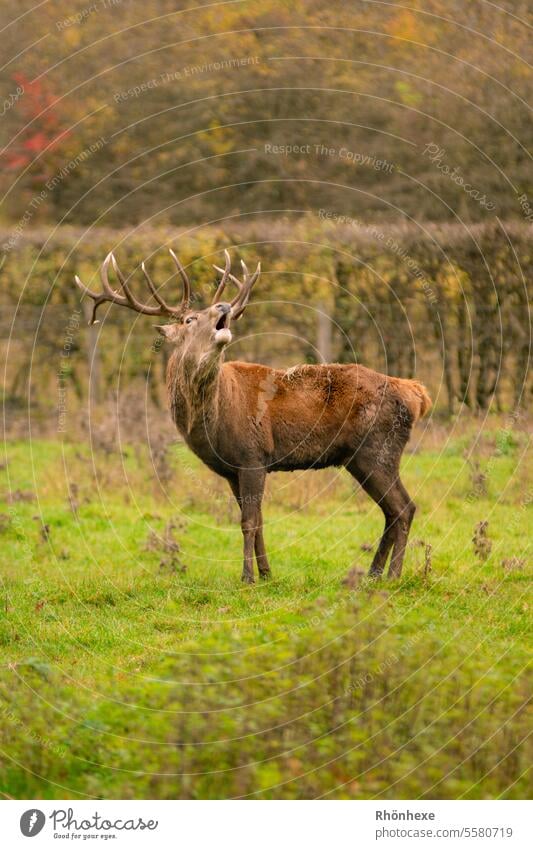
(244, 420)
(415, 396)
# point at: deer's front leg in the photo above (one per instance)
(251, 487)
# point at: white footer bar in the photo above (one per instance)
(266, 824)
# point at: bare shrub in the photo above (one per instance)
(73, 498)
(482, 543)
(103, 435)
(478, 478)
(426, 548)
(44, 529)
(514, 564)
(19, 495)
(160, 447)
(354, 577)
(168, 545)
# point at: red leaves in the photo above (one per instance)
(42, 124)
(36, 142)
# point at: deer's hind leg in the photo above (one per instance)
(386, 489)
(403, 526)
(261, 557)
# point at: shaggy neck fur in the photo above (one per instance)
(193, 388)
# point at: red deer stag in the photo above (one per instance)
(244, 420)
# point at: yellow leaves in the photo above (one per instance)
(520, 69)
(407, 93)
(403, 25)
(408, 26)
(219, 139)
(453, 282)
(72, 37)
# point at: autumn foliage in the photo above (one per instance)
(42, 129)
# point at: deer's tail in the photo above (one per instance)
(415, 397)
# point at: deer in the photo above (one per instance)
(246, 420)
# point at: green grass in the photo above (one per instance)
(125, 674)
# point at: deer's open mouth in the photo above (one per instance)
(222, 331)
(223, 322)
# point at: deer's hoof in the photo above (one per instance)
(248, 579)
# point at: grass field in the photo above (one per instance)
(134, 663)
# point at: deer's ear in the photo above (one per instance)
(168, 331)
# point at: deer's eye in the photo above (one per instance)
(190, 319)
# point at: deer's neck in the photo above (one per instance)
(194, 391)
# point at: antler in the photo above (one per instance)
(239, 302)
(128, 299)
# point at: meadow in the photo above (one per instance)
(373, 157)
(134, 663)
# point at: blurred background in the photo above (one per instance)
(373, 156)
(376, 158)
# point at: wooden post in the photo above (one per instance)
(324, 341)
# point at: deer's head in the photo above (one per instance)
(200, 334)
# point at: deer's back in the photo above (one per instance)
(310, 415)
